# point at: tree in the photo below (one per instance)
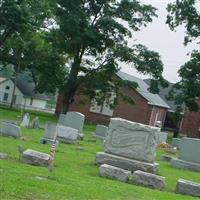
(187, 90)
(22, 41)
(94, 36)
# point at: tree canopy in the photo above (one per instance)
(94, 36)
(187, 13)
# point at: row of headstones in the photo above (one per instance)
(130, 147)
(152, 181)
(10, 128)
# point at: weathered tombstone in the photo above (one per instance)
(10, 129)
(130, 146)
(25, 120)
(189, 155)
(101, 131)
(148, 180)
(114, 173)
(162, 137)
(35, 158)
(188, 188)
(74, 120)
(67, 134)
(35, 123)
(50, 134)
(176, 142)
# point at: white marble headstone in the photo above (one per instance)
(25, 120)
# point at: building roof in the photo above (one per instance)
(163, 92)
(27, 88)
(142, 89)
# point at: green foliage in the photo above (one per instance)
(187, 13)
(94, 35)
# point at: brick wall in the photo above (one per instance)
(191, 123)
(140, 112)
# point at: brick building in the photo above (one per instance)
(191, 123)
(148, 108)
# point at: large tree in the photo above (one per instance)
(187, 13)
(94, 35)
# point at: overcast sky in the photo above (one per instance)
(158, 37)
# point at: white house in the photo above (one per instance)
(25, 96)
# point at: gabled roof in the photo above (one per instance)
(27, 88)
(142, 89)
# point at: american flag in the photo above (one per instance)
(52, 152)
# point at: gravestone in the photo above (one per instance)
(25, 120)
(10, 129)
(148, 180)
(50, 134)
(101, 131)
(189, 155)
(35, 123)
(188, 188)
(190, 150)
(114, 173)
(67, 134)
(130, 145)
(176, 142)
(35, 157)
(162, 137)
(74, 120)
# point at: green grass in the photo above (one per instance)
(75, 176)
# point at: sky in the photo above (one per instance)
(158, 37)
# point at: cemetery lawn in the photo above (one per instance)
(74, 176)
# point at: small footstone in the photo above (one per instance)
(165, 158)
(114, 173)
(3, 156)
(35, 158)
(148, 180)
(188, 188)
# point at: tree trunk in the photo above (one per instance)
(71, 85)
(14, 88)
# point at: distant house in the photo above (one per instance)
(25, 95)
(148, 108)
(191, 123)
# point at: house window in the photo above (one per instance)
(7, 87)
(31, 102)
(5, 97)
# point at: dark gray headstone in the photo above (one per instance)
(190, 150)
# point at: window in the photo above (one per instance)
(7, 87)
(5, 97)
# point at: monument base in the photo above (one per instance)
(181, 164)
(126, 163)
